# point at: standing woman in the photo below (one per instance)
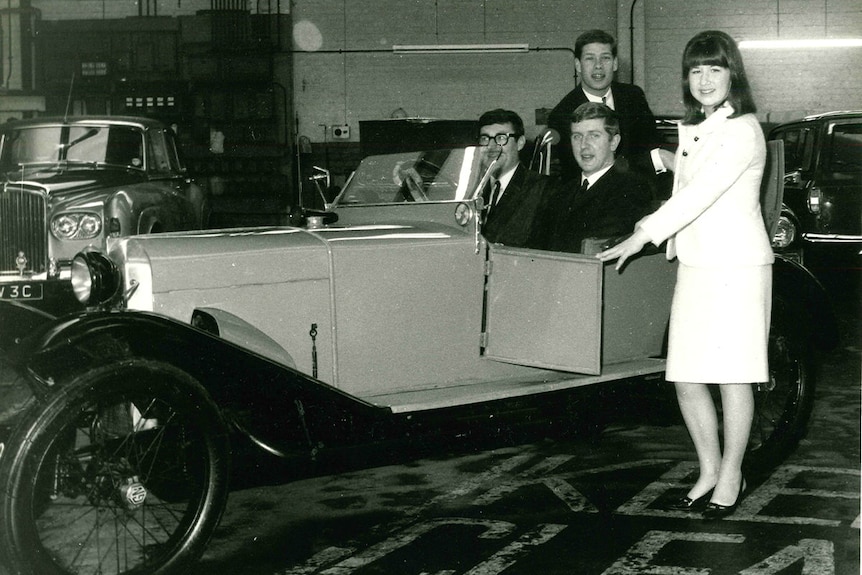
(719, 322)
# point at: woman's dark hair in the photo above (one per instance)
(715, 48)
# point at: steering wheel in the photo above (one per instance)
(413, 187)
(424, 170)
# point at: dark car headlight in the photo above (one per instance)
(76, 226)
(785, 233)
(95, 278)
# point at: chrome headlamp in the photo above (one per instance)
(95, 278)
(785, 233)
(76, 226)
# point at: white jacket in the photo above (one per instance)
(714, 211)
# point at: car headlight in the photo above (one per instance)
(95, 278)
(785, 233)
(76, 226)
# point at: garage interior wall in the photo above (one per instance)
(333, 88)
(345, 70)
(787, 83)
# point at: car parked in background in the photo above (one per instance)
(69, 184)
(823, 182)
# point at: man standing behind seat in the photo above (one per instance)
(595, 63)
(511, 207)
(606, 200)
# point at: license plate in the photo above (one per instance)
(21, 291)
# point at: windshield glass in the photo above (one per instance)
(40, 145)
(427, 176)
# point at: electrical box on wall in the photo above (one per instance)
(341, 132)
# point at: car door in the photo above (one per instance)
(799, 161)
(570, 312)
(835, 195)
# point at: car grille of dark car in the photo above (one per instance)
(23, 228)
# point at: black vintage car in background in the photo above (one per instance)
(822, 184)
(69, 184)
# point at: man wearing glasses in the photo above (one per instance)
(514, 193)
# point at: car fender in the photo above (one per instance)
(282, 410)
(19, 319)
(817, 324)
(234, 329)
(155, 219)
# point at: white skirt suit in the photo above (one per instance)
(719, 322)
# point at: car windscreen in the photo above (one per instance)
(426, 176)
(85, 145)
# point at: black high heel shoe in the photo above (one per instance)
(715, 511)
(688, 504)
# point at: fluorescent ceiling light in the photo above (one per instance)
(459, 48)
(822, 43)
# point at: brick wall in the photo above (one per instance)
(786, 83)
(344, 88)
(366, 81)
(351, 75)
(105, 9)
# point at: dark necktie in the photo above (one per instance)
(495, 195)
(585, 183)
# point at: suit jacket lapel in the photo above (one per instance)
(511, 197)
(581, 198)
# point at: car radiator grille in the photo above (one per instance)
(23, 228)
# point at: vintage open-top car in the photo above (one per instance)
(387, 310)
(70, 183)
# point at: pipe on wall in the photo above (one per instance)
(632, 41)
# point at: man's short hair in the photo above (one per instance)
(598, 111)
(594, 37)
(501, 116)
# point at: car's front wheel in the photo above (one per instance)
(122, 470)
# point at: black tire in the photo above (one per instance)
(122, 470)
(783, 406)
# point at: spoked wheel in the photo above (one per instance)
(782, 406)
(124, 470)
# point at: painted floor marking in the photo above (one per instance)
(493, 530)
(818, 558)
(490, 477)
(816, 555)
(637, 561)
(751, 508)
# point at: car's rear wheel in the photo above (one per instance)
(782, 405)
(123, 470)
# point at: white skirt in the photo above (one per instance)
(719, 325)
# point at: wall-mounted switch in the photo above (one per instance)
(341, 132)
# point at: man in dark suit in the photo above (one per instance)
(595, 63)
(606, 200)
(514, 192)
